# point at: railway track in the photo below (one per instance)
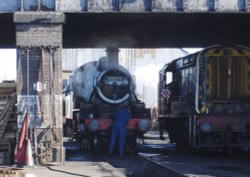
(197, 163)
(129, 165)
(214, 165)
(156, 159)
(160, 159)
(163, 170)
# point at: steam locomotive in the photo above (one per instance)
(95, 90)
(204, 99)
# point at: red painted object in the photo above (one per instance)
(133, 124)
(104, 124)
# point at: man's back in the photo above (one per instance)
(122, 115)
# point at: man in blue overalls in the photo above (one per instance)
(121, 117)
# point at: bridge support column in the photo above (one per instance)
(39, 45)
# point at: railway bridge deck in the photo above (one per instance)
(135, 23)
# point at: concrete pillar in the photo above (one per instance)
(39, 46)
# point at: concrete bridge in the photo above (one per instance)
(39, 29)
(135, 23)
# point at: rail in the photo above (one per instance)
(162, 168)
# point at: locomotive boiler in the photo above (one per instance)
(96, 90)
(204, 99)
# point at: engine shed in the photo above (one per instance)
(39, 30)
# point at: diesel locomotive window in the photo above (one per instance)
(169, 78)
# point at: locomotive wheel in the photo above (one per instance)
(138, 144)
(95, 143)
(85, 144)
(89, 145)
(133, 143)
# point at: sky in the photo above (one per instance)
(192, 50)
(8, 63)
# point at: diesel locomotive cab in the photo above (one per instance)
(209, 102)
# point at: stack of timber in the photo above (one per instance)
(11, 172)
(8, 122)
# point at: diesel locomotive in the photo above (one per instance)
(94, 91)
(204, 99)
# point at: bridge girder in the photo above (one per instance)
(148, 30)
(151, 30)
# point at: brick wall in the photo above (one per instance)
(39, 87)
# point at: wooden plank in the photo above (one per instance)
(11, 172)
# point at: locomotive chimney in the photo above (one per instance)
(113, 55)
